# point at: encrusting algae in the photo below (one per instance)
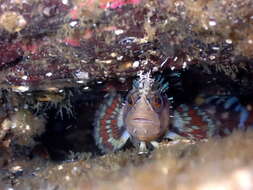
(182, 165)
(46, 134)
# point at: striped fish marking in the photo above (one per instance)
(109, 132)
(228, 112)
(144, 116)
(192, 123)
(209, 116)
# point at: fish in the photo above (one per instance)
(146, 116)
(143, 117)
(229, 112)
(210, 116)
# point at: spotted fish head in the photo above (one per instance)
(146, 110)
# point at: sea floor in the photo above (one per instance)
(214, 164)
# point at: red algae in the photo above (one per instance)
(83, 34)
(113, 4)
(48, 46)
(9, 53)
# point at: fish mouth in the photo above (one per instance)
(144, 120)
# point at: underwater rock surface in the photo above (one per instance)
(179, 165)
(58, 58)
(62, 43)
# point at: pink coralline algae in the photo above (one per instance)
(9, 53)
(56, 57)
(72, 42)
(117, 38)
(113, 4)
(103, 4)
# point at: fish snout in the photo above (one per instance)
(143, 129)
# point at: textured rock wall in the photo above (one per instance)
(61, 43)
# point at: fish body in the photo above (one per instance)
(109, 124)
(214, 116)
(192, 123)
(144, 116)
(229, 113)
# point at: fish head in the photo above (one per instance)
(146, 113)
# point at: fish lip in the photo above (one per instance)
(141, 119)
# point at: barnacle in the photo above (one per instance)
(24, 126)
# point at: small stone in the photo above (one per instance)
(65, 2)
(20, 88)
(118, 32)
(113, 54)
(212, 57)
(46, 11)
(12, 22)
(119, 58)
(215, 48)
(80, 81)
(184, 65)
(73, 23)
(136, 64)
(24, 77)
(82, 75)
(49, 74)
(67, 178)
(212, 23)
(229, 41)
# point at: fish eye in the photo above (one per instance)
(132, 98)
(156, 101)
